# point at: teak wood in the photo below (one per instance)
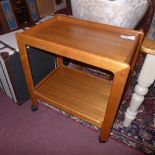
(107, 47)
(148, 46)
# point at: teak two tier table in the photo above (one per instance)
(88, 97)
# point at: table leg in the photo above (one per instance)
(59, 61)
(118, 86)
(145, 79)
(27, 70)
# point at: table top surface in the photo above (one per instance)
(84, 40)
(148, 46)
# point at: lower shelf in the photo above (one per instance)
(77, 93)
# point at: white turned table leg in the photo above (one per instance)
(145, 79)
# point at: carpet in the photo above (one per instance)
(141, 134)
(47, 132)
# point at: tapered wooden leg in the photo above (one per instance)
(27, 71)
(101, 140)
(59, 60)
(34, 106)
(146, 78)
(119, 82)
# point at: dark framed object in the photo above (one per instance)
(9, 15)
(21, 11)
(32, 9)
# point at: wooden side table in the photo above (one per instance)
(145, 79)
(88, 97)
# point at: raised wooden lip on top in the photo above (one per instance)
(73, 38)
